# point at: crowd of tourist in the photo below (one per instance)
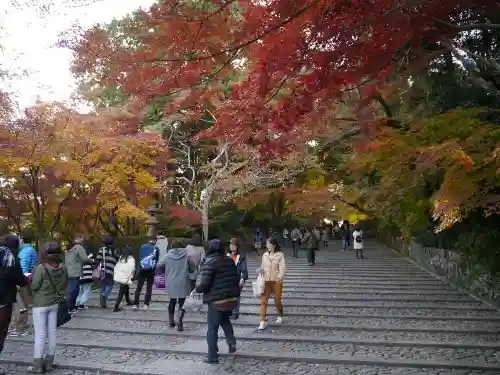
(60, 283)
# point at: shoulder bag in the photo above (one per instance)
(63, 315)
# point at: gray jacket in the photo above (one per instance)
(76, 257)
(178, 266)
(196, 254)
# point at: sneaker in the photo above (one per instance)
(145, 307)
(262, 325)
(135, 307)
(82, 307)
(279, 320)
(117, 309)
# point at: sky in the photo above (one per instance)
(29, 44)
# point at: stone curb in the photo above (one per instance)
(239, 322)
(289, 357)
(288, 338)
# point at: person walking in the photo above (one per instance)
(345, 233)
(325, 236)
(178, 266)
(123, 275)
(148, 258)
(313, 242)
(28, 258)
(220, 285)
(86, 281)
(48, 284)
(11, 277)
(240, 261)
(273, 271)
(296, 236)
(358, 242)
(107, 257)
(196, 252)
(76, 258)
(258, 240)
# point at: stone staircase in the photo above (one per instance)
(380, 315)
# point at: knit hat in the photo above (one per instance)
(214, 244)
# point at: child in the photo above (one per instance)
(123, 275)
(358, 242)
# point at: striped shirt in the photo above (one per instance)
(87, 271)
(107, 256)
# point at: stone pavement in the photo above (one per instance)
(380, 315)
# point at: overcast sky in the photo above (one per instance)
(29, 45)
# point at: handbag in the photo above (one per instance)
(193, 303)
(258, 287)
(159, 280)
(63, 315)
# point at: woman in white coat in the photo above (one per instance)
(123, 275)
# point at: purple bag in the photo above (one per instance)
(159, 281)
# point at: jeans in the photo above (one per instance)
(5, 318)
(311, 256)
(84, 294)
(45, 323)
(295, 249)
(346, 243)
(123, 292)
(216, 319)
(148, 276)
(107, 286)
(72, 292)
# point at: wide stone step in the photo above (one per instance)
(347, 301)
(98, 345)
(348, 329)
(159, 294)
(320, 311)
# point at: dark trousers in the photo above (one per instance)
(359, 253)
(5, 317)
(123, 292)
(216, 319)
(72, 292)
(173, 302)
(147, 276)
(295, 246)
(311, 256)
(193, 284)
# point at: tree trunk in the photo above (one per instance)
(204, 215)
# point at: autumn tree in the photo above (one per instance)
(53, 158)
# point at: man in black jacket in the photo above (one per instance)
(11, 276)
(220, 287)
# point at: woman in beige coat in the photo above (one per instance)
(273, 271)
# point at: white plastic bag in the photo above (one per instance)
(258, 286)
(194, 302)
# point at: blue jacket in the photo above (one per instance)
(28, 257)
(148, 250)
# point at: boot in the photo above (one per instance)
(171, 321)
(49, 363)
(37, 367)
(180, 326)
(103, 302)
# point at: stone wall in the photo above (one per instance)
(459, 271)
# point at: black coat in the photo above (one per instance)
(219, 279)
(10, 278)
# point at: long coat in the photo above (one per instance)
(178, 265)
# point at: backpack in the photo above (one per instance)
(148, 262)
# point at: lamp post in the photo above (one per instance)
(152, 221)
